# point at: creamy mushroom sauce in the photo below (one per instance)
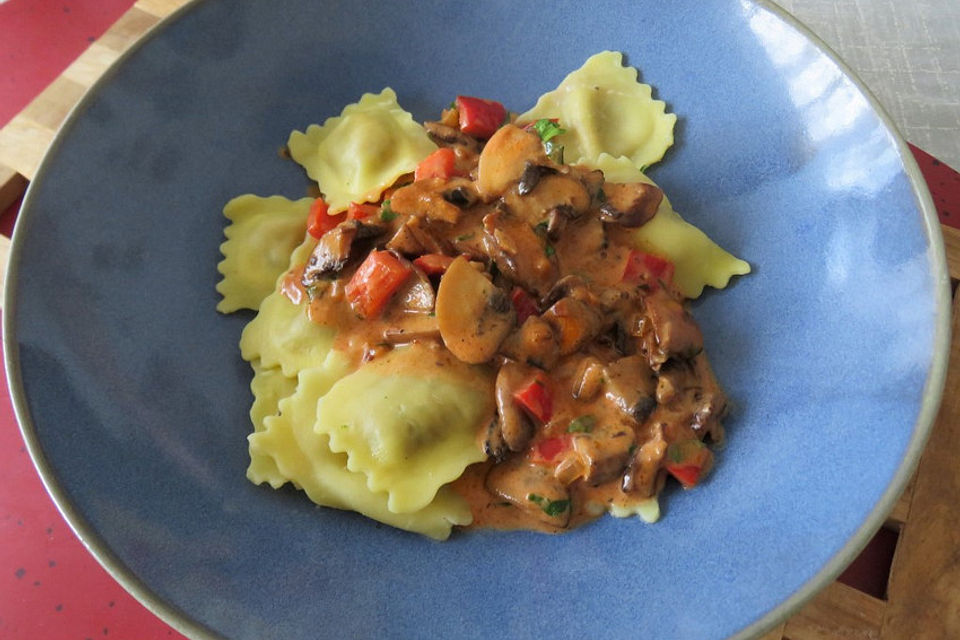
(603, 390)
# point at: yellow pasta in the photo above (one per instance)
(605, 110)
(268, 386)
(361, 152)
(408, 433)
(298, 453)
(698, 260)
(282, 335)
(260, 237)
(386, 437)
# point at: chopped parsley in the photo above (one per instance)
(386, 213)
(582, 424)
(549, 250)
(548, 129)
(463, 236)
(552, 508)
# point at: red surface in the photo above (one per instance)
(40, 38)
(50, 586)
(944, 184)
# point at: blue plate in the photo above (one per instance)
(134, 400)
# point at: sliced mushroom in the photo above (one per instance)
(667, 330)
(416, 295)
(643, 471)
(574, 323)
(504, 159)
(557, 221)
(424, 198)
(605, 451)
(532, 488)
(630, 204)
(631, 386)
(588, 379)
(493, 444)
(551, 191)
(405, 241)
(460, 192)
(412, 328)
(530, 177)
(515, 428)
(570, 285)
(414, 237)
(335, 249)
(518, 251)
(445, 136)
(534, 343)
(474, 315)
(593, 180)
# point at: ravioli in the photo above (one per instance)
(260, 237)
(604, 109)
(289, 449)
(361, 152)
(269, 387)
(282, 335)
(410, 433)
(697, 259)
(386, 437)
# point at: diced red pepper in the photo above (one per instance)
(687, 461)
(319, 221)
(647, 266)
(480, 118)
(358, 211)
(535, 398)
(687, 474)
(375, 280)
(439, 164)
(548, 449)
(523, 304)
(433, 263)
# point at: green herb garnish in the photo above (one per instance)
(582, 424)
(549, 250)
(548, 129)
(552, 508)
(386, 213)
(463, 236)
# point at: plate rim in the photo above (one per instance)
(179, 620)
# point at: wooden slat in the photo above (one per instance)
(160, 8)
(128, 29)
(12, 186)
(836, 612)
(901, 510)
(22, 145)
(50, 108)
(775, 634)
(924, 588)
(951, 241)
(91, 64)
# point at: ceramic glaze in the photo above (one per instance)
(134, 399)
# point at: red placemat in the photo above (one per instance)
(50, 585)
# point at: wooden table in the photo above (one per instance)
(922, 595)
